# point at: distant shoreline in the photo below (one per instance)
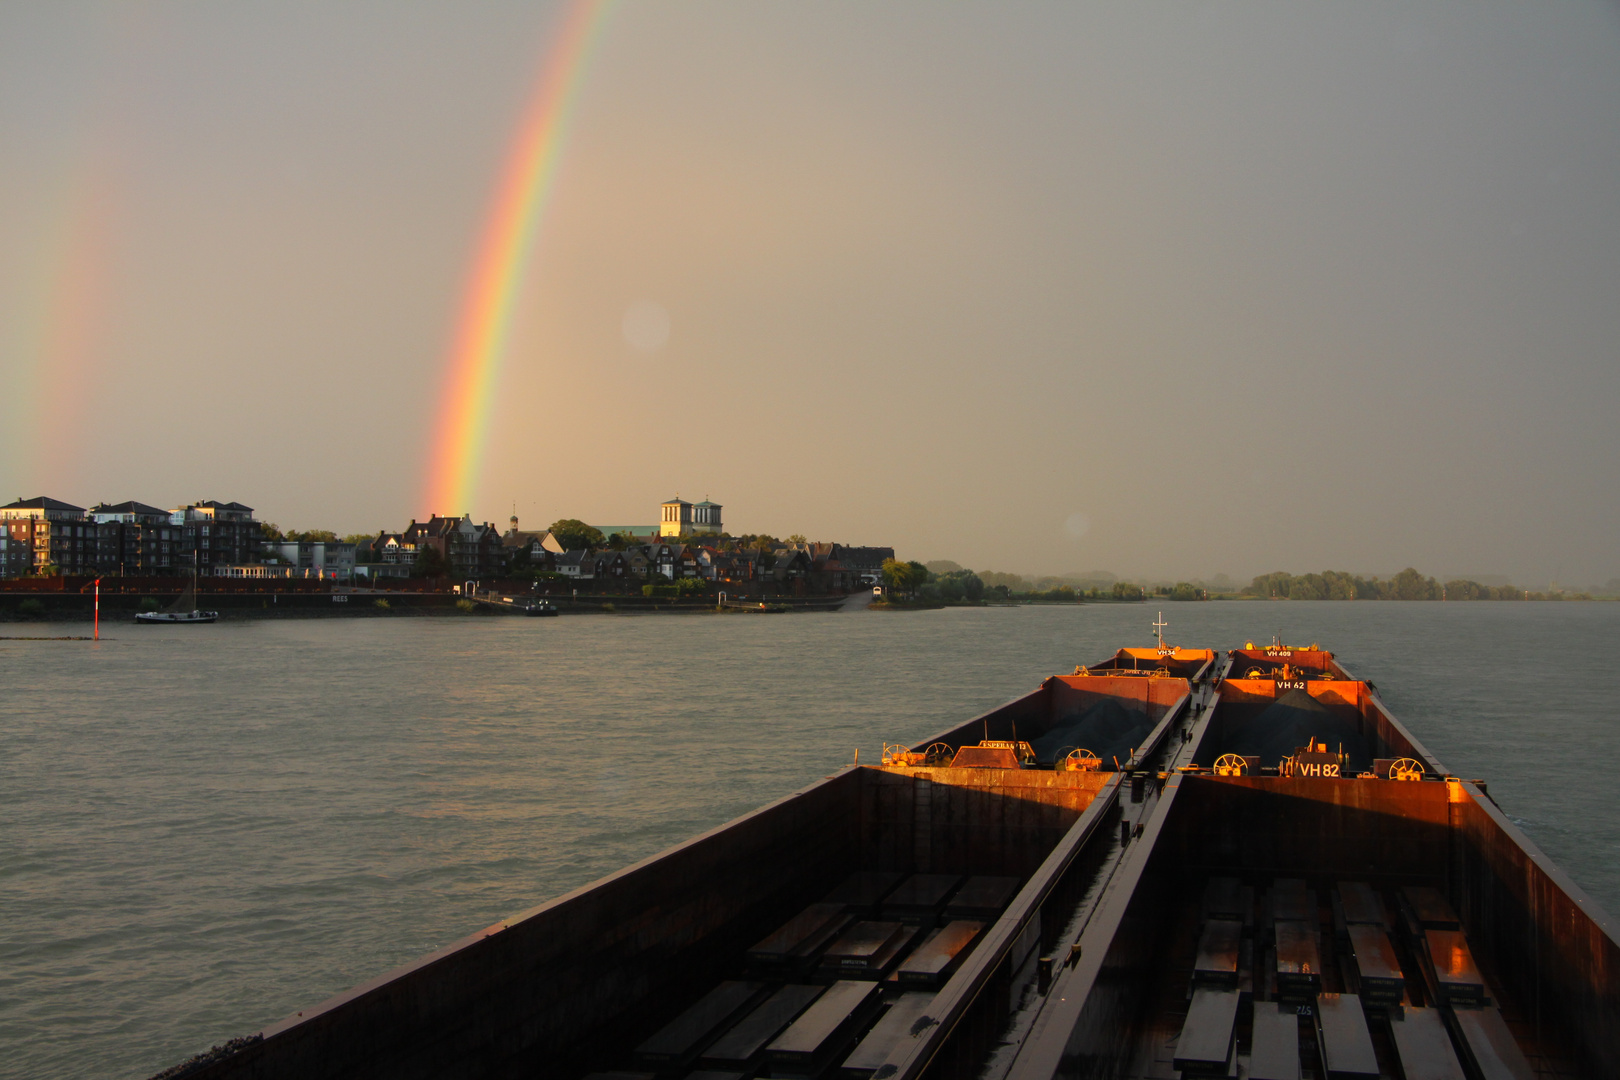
(119, 609)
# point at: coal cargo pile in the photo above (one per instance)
(1291, 722)
(1108, 729)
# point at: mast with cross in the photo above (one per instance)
(1159, 629)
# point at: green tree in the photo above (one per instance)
(1370, 589)
(430, 563)
(1411, 585)
(797, 538)
(1275, 583)
(1186, 591)
(1339, 585)
(758, 542)
(1124, 590)
(312, 536)
(1307, 587)
(958, 584)
(904, 578)
(574, 534)
(972, 586)
(359, 539)
(1010, 582)
(519, 562)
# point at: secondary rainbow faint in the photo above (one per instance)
(480, 343)
(60, 339)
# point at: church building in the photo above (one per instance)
(681, 518)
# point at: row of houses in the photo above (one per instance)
(44, 535)
(479, 552)
(468, 549)
(135, 539)
(131, 538)
(822, 567)
(476, 551)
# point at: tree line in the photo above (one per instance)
(1406, 585)
(574, 535)
(946, 582)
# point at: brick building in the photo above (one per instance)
(217, 534)
(55, 535)
(135, 539)
(472, 550)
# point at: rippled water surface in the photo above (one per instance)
(203, 829)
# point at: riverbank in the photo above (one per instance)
(21, 610)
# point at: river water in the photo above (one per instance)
(203, 829)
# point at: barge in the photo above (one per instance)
(1096, 879)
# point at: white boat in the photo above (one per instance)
(183, 610)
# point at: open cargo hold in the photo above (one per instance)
(1266, 722)
(1268, 661)
(1121, 719)
(868, 950)
(904, 1020)
(1190, 664)
(794, 945)
(742, 1046)
(694, 957)
(678, 1043)
(825, 1030)
(1547, 959)
(932, 962)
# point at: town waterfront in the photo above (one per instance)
(206, 828)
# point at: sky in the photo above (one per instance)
(1158, 289)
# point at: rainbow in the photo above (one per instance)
(480, 342)
(60, 344)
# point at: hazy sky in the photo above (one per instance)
(1160, 289)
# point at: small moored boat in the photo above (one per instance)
(183, 610)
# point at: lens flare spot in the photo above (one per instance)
(1077, 525)
(646, 326)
